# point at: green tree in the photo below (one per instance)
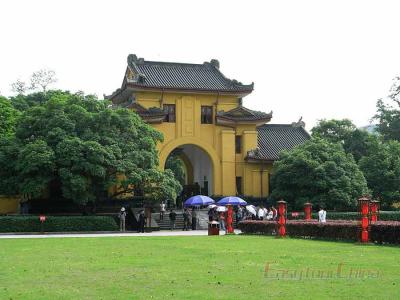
(359, 142)
(388, 113)
(381, 168)
(23, 102)
(355, 141)
(77, 143)
(8, 117)
(320, 172)
(9, 149)
(175, 164)
(334, 131)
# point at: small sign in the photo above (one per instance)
(42, 218)
(295, 214)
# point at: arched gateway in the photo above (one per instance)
(226, 148)
(201, 166)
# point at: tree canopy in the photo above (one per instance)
(381, 168)
(8, 117)
(175, 164)
(320, 172)
(333, 130)
(81, 146)
(388, 113)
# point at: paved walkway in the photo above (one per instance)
(119, 234)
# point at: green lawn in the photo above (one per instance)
(224, 267)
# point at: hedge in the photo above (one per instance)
(381, 232)
(383, 216)
(57, 224)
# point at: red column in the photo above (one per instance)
(363, 204)
(229, 219)
(374, 209)
(281, 218)
(307, 211)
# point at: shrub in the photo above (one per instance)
(386, 232)
(383, 216)
(380, 232)
(57, 224)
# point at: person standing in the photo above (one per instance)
(194, 219)
(260, 213)
(122, 218)
(210, 214)
(322, 215)
(270, 215)
(222, 220)
(274, 213)
(172, 219)
(186, 221)
(239, 215)
(142, 221)
(162, 210)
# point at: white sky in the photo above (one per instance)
(316, 59)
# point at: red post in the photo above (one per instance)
(307, 211)
(363, 204)
(281, 218)
(374, 209)
(229, 219)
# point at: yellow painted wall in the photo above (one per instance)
(9, 204)
(217, 141)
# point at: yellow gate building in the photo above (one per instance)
(226, 149)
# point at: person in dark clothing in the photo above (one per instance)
(215, 214)
(194, 219)
(142, 221)
(122, 218)
(239, 215)
(172, 218)
(210, 214)
(186, 219)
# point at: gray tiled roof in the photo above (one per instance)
(242, 113)
(206, 76)
(273, 138)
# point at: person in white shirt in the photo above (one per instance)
(162, 210)
(322, 215)
(260, 213)
(270, 215)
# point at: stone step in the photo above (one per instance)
(165, 224)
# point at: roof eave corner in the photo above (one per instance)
(254, 160)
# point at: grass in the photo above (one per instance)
(201, 267)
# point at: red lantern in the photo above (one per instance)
(282, 218)
(307, 211)
(374, 210)
(363, 204)
(229, 219)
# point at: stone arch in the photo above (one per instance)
(188, 167)
(210, 151)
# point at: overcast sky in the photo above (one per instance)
(316, 59)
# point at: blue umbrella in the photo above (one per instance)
(232, 201)
(198, 200)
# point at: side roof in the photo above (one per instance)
(274, 138)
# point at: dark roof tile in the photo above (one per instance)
(182, 76)
(241, 114)
(274, 138)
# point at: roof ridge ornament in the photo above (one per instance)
(215, 63)
(132, 58)
(299, 123)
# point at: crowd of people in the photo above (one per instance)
(241, 213)
(190, 219)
